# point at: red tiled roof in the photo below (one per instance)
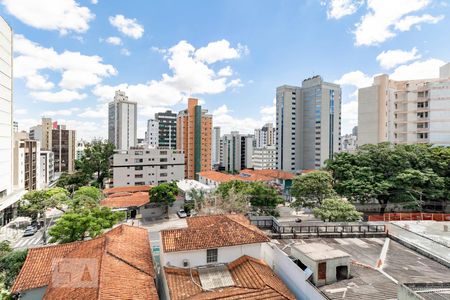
(127, 189)
(212, 232)
(278, 174)
(223, 177)
(130, 200)
(125, 267)
(253, 279)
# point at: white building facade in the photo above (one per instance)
(122, 122)
(152, 134)
(215, 146)
(265, 136)
(147, 166)
(47, 168)
(264, 158)
(405, 112)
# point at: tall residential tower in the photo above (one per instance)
(405, 112)
(308, 124)
(167, 135)
(194, 127)
(122, 122)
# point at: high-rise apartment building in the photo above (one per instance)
(308, 124)
(122, 122)
(81, 146)
(43, 133)
(236, 151)
(194, 127)
(27, 171)
(405, 112)
(167, 135)
(6, 110)
(215, 146)
(264, 158)
(265, 136)
(63, 148)
(47, 168)
(152, 134)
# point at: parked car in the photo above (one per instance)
(30, 231)
(181, 213)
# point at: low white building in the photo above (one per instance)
(147, 166)
(264, 158)
(187, 185)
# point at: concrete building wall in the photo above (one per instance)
(167, 122)
(122, 122)
(152, 134)
(63, 148)
(47, 168)
(198, 257)
(215, 146)
(6, 109)
(147, 167)
(264, 158)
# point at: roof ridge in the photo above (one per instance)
(249, 226)
(128, 263)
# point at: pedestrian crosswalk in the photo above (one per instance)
(29, 242)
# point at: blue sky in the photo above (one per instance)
(70, 56)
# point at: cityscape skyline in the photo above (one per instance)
(159, 65)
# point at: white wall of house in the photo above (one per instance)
(208, 181)
(198, 257)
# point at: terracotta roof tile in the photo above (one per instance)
(253, 279)
(122, 254)
(127, 189)
(275, 174)
(130, 200)
(212, 232)
(247, 175)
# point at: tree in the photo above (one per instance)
(311, 188)
(164, 194)
(72, 182)
(96, 161)
(86, 197)
(78, 225)
(409, 175)
(224, 188)
(35, 203)
(337, 210)
(10, 264)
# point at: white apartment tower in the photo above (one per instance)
(405, 112)
(265, 136)
(122, 122)
(152, 134)
(6, 107)
(308, 124)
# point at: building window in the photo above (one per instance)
(163, 159)
(138, 168)
(211, 255)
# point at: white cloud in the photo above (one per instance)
(61, 112)
(217, 51)
(77, 70)
(268, 113)
(235, 83)
(114, 40)
(61, 15)
(62, 96)
(349, 116)
(355, 78)
(383, 17)
(418, 70)
(391, 58)
(125, 52)
(190, 76)
(222, 117)
(129, 27)
(94, 1)
(87, 130)
(227, 71)
(406, 23)
(341, 8)
(20, 111)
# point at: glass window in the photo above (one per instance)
(211, 255)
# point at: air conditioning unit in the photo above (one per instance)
(185, 263)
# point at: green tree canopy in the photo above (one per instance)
(311, 188)
(95, 162)
(164, 194)
(10, 264)
(78, 225)
(74, 181)
(35, 203)
(337, 210)
(406, 174)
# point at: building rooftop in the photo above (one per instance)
(216, 231)
(126, 189)
(430, 291)
(318, 251)
(116, 257)
(246, 278)
(400, 264)
(126, 200)
(275, 174)
(188, 184)
(244, 175)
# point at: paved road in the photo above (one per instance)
(30, 241)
